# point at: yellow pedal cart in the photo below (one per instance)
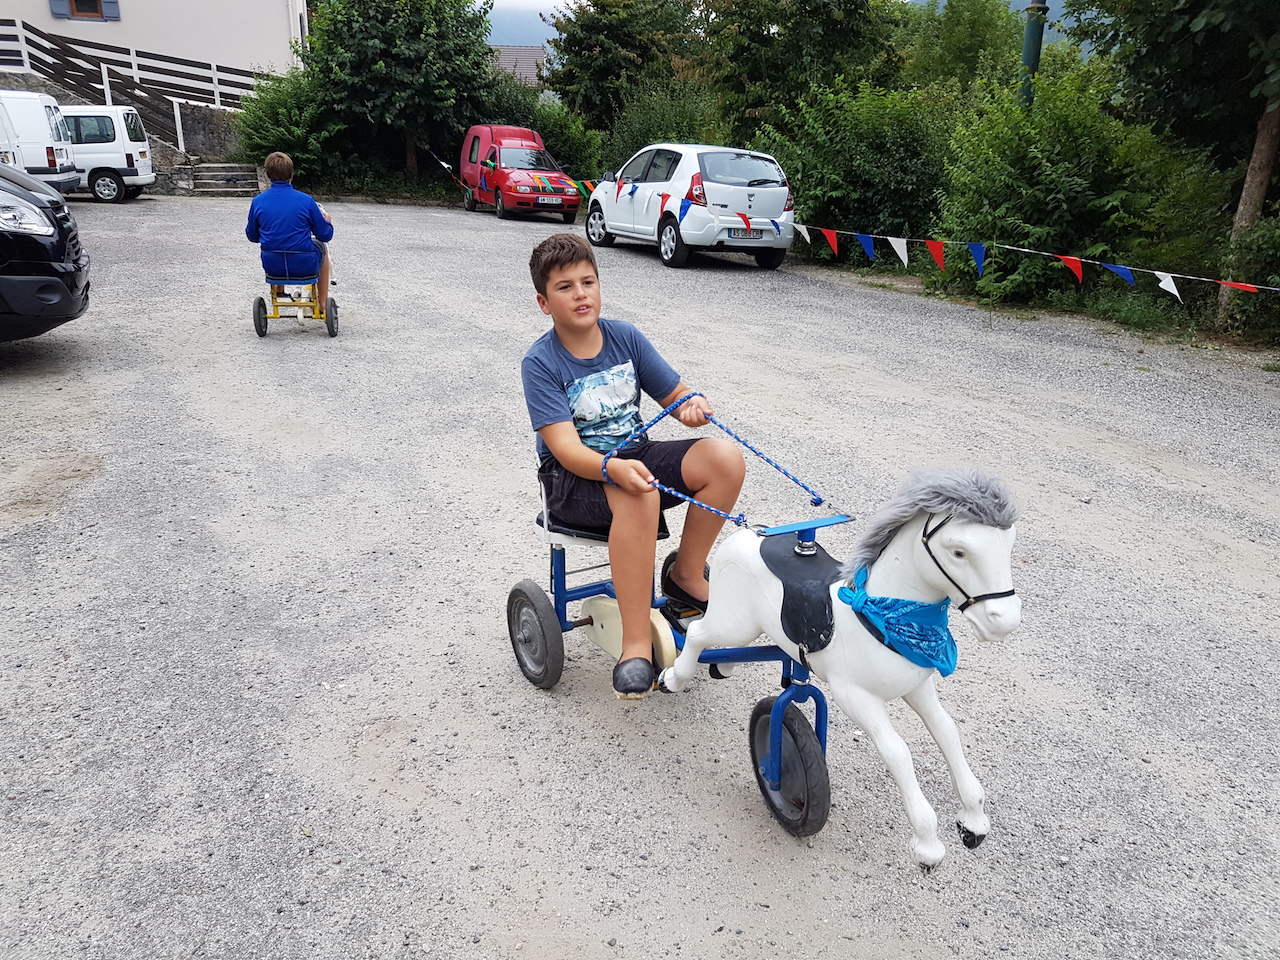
(303, 303)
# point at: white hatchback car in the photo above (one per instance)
(691, 196)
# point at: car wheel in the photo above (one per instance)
(499, 207)
(771, 259)
(469, 201)
(569, 216)
(107, 187)
(596, 231)
(671, 246)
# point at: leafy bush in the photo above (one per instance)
(284, 113)
(1066, 177)
(673, 111)
(567, 138)
(865, 159)
(1255, 258)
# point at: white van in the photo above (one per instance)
(10, 152)
(113, 154)
(43, 138)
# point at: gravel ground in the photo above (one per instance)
(257, 698)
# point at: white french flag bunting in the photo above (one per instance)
(900, 248)
(1166, 283)
(804, 232)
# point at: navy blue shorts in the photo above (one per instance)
(577, 502)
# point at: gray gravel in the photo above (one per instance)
(257, 697)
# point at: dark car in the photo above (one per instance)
(44, 272)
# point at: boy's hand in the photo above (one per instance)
(631, 475)
(694, 412)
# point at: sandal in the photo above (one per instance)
(633, 678)
(672, 591)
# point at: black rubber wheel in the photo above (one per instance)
(597, 233)
(132, 193)
(331, 316)
(671, 246)
(803, 798)
(469, 201)
(771, 259)
(499, 207)
(106, 186)
(569, 216)
(536, 636)
(260, 317)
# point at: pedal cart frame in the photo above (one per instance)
(788, 754)
(304, 307)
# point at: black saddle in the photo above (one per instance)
(806, 591)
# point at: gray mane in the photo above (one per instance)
(967, 494)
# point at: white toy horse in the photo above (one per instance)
(947, 536)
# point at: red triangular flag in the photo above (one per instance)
(663, 205)
(831, 238)
(1239, 286)
(1074, 264)
(621, 183)
(746, 221)
(935, 248)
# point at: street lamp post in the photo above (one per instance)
(1037, 12)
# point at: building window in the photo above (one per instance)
(92, 9)
(85, 9)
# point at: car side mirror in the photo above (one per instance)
(608, 175)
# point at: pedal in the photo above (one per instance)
(679, 617)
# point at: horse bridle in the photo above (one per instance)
(969, 601)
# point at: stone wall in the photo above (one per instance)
(35, 83)
(208, 133)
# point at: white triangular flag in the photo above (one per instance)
(804, 232)
(1166, 283)
(900, 248)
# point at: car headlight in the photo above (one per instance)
(522, 188)
(18, 216)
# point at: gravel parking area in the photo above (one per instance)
(257, 698)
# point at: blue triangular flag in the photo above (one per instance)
(868, 244)
(1120, 271)
(632, 191)
(684, 208)
(979, 252)
(777, 227)
(482, 186)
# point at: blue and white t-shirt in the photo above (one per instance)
(600, 396)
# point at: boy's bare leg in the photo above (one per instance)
(633, 539)
(714, 470)
(322, 285)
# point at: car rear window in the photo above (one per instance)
(526, 158)
(57, 126)
(133, 127)
(91, 129)
(741, 169)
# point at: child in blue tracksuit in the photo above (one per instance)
(283, 220)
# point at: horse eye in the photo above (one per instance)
(958, 554)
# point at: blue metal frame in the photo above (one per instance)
(795, 676)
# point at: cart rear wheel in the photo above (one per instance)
(803, 798)
(331, 316)
(260, 317)
(536, 637)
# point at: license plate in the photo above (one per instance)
(549, 200)
(741, 234)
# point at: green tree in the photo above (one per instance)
(418, 67)
(764, 54)
(964, 40)
(1208, 70)
(285, 113)
(604, 47)
(677, 111)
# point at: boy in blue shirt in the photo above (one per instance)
(582, 382)
(283, 220)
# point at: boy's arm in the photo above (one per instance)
(574, 455)
(251, 228)
(693, 412)
(321, 225)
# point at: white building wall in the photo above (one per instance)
(249, 34)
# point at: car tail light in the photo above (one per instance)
(696, 193)
(49, 155)
(128, 159)
(791, 202)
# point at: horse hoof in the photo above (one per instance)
(969, 838)
(664, 683)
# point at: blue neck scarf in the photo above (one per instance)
(916, 630)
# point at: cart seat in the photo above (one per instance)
(292, 281)
(558, 534)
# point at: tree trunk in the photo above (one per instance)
(411, 158)
(1256, 182)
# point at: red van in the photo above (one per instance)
(511, 169)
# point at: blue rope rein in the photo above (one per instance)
(738, 519)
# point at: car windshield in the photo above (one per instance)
(528, 158)
(742, 169)
(133, 126)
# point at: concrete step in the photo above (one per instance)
(224, 192)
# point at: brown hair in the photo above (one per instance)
(556, 252)
(279, 166)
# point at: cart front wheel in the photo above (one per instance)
(536, 636)
(331, 316)
(260, 317)
(803, 797)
